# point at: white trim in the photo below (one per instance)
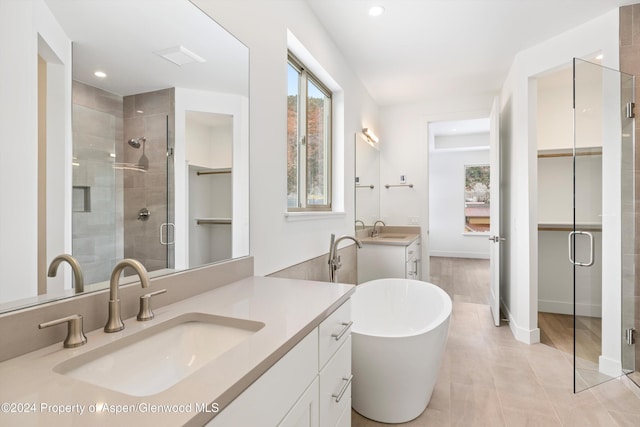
(527, 336)
(610, 367)
(305, 216)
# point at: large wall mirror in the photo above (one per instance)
(367, 181)
(129, 121)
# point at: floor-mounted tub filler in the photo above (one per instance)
(399, 333)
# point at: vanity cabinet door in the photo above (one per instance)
(305, 412)
(381, 262)
(377, 261)
(268, 400)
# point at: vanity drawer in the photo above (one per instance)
(333, 331)
(413, 250)
(335, 386)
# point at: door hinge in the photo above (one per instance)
(630, 336)
(170, 152)
(630, 113)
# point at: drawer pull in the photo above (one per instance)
(346, 325)
(343, 389)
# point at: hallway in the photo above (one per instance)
(488, 378)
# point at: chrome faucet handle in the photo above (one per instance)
(145, 312)
(75, 335)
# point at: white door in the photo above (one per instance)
(494, 177)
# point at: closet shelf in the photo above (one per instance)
(568, 226)
(568, 152)
(214, 171)
(209, 221)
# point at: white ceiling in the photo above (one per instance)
(120, 37)
(420, 49)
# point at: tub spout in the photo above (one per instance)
(334, 258)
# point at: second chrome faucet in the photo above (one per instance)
(114, 323)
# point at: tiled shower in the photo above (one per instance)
(113, 182)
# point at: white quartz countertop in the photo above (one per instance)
(31, 393)
(396, 239)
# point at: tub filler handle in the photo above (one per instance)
(339, 335)
(344, 388)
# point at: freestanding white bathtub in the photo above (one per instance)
(399, 333)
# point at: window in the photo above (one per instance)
(476, 199)
(308, 140)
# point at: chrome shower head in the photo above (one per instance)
(137, 142)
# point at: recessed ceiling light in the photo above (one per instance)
(599, 57)
(100, 74)
(376, 10)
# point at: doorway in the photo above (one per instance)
(459, 201)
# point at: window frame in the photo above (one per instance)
(306, 76)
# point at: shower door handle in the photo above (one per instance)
(164, 230)
(592, 249)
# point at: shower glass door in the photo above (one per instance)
(600, 97)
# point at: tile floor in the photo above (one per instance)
(488, 378)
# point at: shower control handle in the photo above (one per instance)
(143, 214)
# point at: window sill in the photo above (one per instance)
(479, 233)
(307, 216)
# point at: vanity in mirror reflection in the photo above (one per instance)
(134, 143)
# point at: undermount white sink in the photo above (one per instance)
(152, 360)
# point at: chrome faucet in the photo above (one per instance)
(114, 323)
(78, 279)
(361, 222)
(375, 232)
(334, 258)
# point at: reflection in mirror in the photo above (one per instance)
(108, 141)
(476, 198)
(367, 181)
(210, 145)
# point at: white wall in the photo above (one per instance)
(404, 150)
(518, 99)
(446, 204)
(20, 24)
(277, 240)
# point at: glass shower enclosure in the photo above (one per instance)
(601, 245)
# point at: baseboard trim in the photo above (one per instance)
(444, 254)
(610, 367)
(527, 336)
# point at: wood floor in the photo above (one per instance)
(556, 330)
(487, 378)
